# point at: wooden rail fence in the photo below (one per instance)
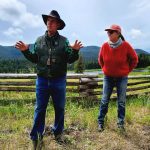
(78, 85)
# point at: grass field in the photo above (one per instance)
(16, 117)
(80, 124)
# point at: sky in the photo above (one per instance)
(85, 20)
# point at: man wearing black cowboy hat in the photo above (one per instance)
(51, 53)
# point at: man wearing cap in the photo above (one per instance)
(117, 59)
(51, 53)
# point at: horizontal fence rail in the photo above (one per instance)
(78, 85)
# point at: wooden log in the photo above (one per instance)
(85, 87)
(72, 83)
(17, 76)
(33, 76)
(87, 80)
(138, 88)
(146, 87)
(82, 87)
(69, 76)
(138, 82)
(100, 86)
(91, 92)
(29, 89)
(92, 86)
(29, 83)
(139, 77)
(24, 89)
(78, 76)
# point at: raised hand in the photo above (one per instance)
(21, 46)
(77, 45)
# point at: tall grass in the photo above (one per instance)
(16, 118)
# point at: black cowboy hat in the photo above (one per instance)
(54, 14)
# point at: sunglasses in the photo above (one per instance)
(111, 31)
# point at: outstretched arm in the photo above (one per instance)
(24, 48)
(77, 45)
(72, 51)
(21, 46)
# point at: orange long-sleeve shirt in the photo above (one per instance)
(117, 62)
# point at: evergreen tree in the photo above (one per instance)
(79, 65)
(144, 61)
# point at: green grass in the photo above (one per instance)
(16, 118)
(80, 122)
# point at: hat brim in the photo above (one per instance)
(110, 29)
(62, 23)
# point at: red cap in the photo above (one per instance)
(114, 27)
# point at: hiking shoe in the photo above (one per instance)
(100, 128)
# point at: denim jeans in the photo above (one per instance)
(121, 85)
(56, 88)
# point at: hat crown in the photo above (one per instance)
(55, 14)
(116, 27)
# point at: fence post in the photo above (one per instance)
(87, 84)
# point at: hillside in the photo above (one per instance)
(91, 52)
(9, 52)
(140, 51)
(88, 52)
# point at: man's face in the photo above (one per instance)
(52, 24)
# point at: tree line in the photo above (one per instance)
(24, 66)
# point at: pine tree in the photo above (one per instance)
(79, 65)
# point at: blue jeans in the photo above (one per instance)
(56, 88)
(109, 83)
